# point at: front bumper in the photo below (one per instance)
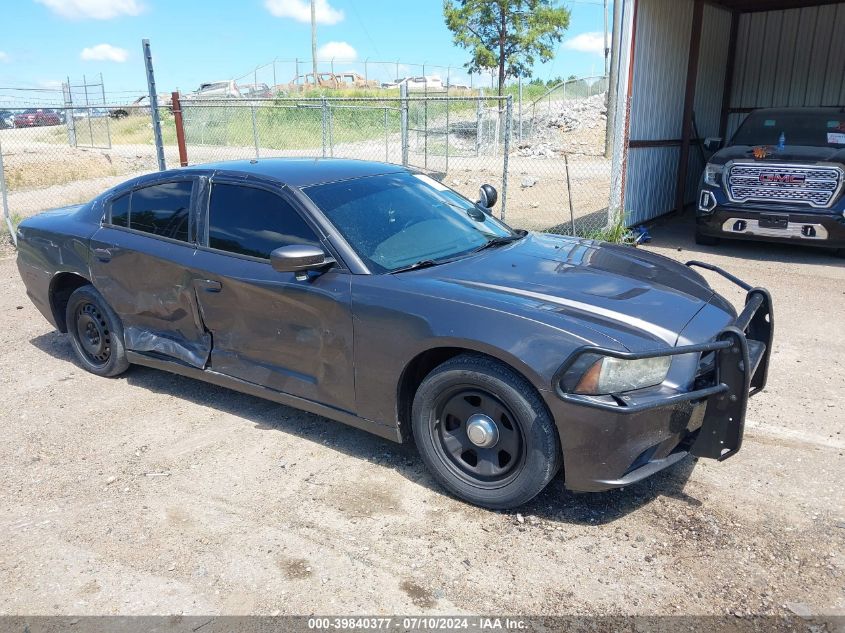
(718, 217)
(609, 442)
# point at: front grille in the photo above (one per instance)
(812, 185)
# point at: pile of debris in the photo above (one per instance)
(565, 126)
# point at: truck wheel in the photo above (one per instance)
(705, 240)
(484, 433)
(96, 334)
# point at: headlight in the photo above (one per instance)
(605, 374)
(713, 174)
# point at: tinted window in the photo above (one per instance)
(120, 210)
(162, 209)
(253, 222)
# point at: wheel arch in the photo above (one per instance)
(62, 286)
(425, 361)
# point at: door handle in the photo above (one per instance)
(103, 254)
(209, 285)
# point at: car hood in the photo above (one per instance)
(789, 154)
(628, 294)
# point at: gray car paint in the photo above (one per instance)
(339, 344)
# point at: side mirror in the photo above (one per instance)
(487, 196)
(299, 258)
(712, 144)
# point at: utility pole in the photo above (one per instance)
(314, 40)
(606, 46)
(613, 95)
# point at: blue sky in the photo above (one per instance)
(195, 41)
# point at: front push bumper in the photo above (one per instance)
(614, 441)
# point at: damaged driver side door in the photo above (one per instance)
(141, 263)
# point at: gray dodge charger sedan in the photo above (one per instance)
(376, 296)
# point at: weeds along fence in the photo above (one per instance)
(549, 164)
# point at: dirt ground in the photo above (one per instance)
(152, 493)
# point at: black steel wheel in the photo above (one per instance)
(478, 435)
(95, 332)
(484, 432)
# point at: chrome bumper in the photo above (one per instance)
(799, 230)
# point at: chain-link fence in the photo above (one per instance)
(546, 157)
(58, 156)
(549, 163)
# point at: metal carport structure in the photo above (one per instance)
(687, 70)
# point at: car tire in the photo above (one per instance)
(507, 464)
(705, 240)
(96, 333)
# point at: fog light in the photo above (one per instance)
(706, 201)
(739, 226)
(808, 230)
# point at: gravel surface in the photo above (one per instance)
(152, 493)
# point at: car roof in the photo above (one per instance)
(302, 172)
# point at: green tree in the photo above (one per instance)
(506, 34)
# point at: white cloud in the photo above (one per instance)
(50, 84)
(4, 57)
(339, 51)
(105, 53)
(300, 10)
(592, 42)
(93, 9)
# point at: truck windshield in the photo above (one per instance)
(814, 129)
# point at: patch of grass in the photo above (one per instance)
(58, 171)
(614, 233)
(14, 217)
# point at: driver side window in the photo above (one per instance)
(254, 222)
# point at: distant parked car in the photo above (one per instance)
(7, 119)
(216, 90)
(354, 80)
(255, 91)
(92, 113)
(304, 82)
(37, 117)
(429, 82)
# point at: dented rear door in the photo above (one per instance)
(141, 262)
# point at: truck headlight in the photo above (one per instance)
(713, 174)
(605, 374)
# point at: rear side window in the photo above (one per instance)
(160, 210)
(253, 222)
(120, 210)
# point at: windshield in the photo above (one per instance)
(396, 220)
(814, 129)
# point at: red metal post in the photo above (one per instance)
(180, 128)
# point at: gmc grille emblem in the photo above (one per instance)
(774, 178)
